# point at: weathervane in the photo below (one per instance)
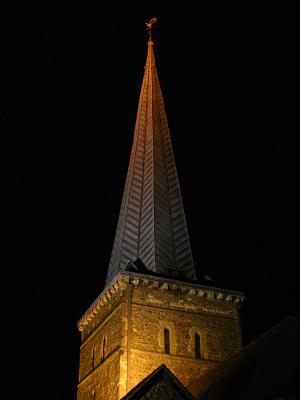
(149, 26)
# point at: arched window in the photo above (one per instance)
(167, 340)
(104, 348)
(197, 345)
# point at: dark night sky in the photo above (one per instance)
(72, 78)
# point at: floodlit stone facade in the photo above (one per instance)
(123, 333)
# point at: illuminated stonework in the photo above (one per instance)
(132, 313)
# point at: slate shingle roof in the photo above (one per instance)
(152, 225)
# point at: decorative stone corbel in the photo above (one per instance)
(135, 282)
(164, 286)
(219, 296)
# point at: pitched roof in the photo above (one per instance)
(152, 225)
(160, 384)
(267, 367)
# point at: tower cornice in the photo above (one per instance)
(188, 289)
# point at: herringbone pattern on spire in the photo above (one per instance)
(152, 225)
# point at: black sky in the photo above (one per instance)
(71, 82)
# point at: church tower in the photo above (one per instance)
(153, 310)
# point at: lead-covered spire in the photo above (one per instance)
(152, 225)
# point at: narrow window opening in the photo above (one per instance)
(104, 348)
(197, 345)
(167, 340)
(93, 358)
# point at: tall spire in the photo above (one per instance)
(152, 225)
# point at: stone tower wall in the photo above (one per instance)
(183, 314)
(100, 360)
(103, 382)
(132, 319)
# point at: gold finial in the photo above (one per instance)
(149, 26)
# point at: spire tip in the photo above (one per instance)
(149, 26)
